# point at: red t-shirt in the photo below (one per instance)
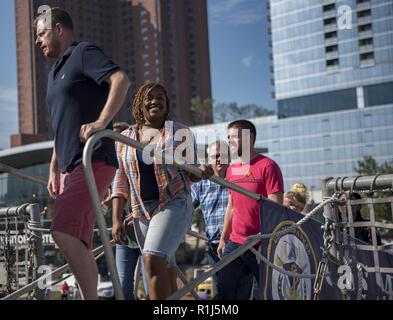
(64, 288)
(262, 176)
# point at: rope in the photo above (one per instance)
(307, 217)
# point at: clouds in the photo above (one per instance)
(236, 12)
(9, 115)
(247, 61)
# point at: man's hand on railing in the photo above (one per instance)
(88, 129)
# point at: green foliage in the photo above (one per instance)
(224, 112)
(202, 110)
(369, 167)
(383, 212)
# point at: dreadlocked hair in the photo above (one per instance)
(137, 105)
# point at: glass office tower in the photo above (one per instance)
(331, 55)
(333, 80)
(311, 147)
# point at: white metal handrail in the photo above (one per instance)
(87, 163)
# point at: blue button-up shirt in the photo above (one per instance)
(213, 200)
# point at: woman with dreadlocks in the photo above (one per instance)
(159, 192)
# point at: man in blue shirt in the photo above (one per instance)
(213, 200)
(85, 91)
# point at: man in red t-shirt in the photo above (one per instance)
(258, 174)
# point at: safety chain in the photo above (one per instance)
(8, 254)
(360, 281)
(329, 227)
(307, 217)
(328, 238)
(31, 262)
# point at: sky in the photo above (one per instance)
(8, 93)
(239, 58)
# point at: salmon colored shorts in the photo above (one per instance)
(74, 214)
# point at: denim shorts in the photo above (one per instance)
(161, 236)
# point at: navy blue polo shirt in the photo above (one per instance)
(77, 92)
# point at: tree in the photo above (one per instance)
(369, 166)
(231, 111)
(202, 110)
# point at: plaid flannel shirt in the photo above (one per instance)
(213, 201)
(171, 181)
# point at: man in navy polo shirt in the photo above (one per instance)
(85, 91)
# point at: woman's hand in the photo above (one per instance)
(119, 232)
(129, 220)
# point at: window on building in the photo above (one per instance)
(365, 27)
(366, 42)
(318, 103)
(364, 13)
(378, 94)
(330, 35)
(332, 63)
(329, 7)
(329, 21)
(333, 48)
(367, 56)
